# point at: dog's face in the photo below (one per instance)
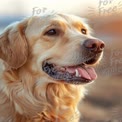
(59, 47)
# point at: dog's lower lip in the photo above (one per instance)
(70, 74)
(93, 59)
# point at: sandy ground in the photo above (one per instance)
(103, 103)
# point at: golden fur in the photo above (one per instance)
(27, 94)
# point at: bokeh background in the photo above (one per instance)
(103, 102)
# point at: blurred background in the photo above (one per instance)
(103, 102)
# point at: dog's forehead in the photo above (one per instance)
(47, 19)
(65, 18)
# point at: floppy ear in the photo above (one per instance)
(13, 45)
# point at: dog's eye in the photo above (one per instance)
(51, 32)
(83, 31)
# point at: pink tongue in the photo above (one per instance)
(92, 73)
(87, 73)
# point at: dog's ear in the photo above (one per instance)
(13, 45)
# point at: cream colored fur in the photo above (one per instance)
(27, 94)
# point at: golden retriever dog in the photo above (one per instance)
(45, 62)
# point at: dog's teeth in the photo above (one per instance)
(76, 73)
(62, 69)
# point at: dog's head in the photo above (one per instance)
(58, 46)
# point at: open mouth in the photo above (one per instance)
(77, 74)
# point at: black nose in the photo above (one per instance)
(94, 45)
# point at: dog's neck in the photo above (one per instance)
(59, 102)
